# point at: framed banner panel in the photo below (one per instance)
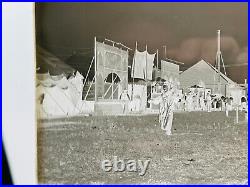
(110, 60)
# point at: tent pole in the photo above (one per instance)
(157, 65)
(95, 71)
(146, 76)
(133, 69)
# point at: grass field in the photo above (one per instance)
(205, 148)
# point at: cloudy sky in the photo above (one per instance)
(188, 30)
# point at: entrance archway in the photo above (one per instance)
(111, 86)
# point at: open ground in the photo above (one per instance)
(205, 148)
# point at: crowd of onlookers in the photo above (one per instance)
(207, 102)
(197, 99)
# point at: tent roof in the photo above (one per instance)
(47, 62)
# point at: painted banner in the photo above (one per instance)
(110, 59)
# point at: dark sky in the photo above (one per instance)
(187, 29)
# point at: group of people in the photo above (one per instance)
(174, 100)
(194, 102)
(130, 103)
(203, 102)
(207, 102)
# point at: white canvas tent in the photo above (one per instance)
(59, 96)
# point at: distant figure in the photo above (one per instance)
(179, 103)
(214, 101)
(184, 102)
(218, 104)
(244, 107)
(189, 102)
(137, 103)
(230, 104)
(202, 102)
(223, 103)
(125, 97)
(243, 103)
(209, 102)
(195, 102)
(158, 87)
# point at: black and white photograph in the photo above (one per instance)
(141, 93)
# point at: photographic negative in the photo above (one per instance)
(142, 93)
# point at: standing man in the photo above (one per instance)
(162, 111)
(169, 100)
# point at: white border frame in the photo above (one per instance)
(18, 89)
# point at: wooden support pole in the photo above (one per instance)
(146, 77)
(237, 115)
